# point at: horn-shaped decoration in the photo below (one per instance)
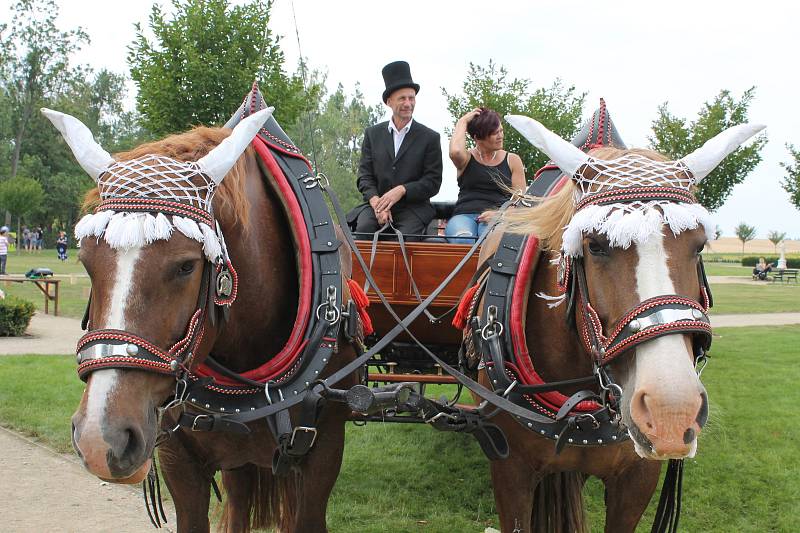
(221, 159)
(706, 158)
(90, 155)
(565, 155)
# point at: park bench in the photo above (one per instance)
(787, 275)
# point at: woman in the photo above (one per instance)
(762, 269)
(486, 173)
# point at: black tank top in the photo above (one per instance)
(480, 186)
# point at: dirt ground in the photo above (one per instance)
(43, 491)
(732, 245)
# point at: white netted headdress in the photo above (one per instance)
(630, 198)
(147, 198)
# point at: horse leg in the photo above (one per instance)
(627, 494)
(514, 483)
(318, 473)
(188, 484)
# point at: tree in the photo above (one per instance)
(20, 196)
(558, 107)
(674, 138)
(338, 131)
(35, 64)
(203, 60)
(791, 182)
(775, 237)
(745, 233)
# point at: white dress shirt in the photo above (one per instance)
(398, 135)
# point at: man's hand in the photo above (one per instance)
(390, 198)
(381, 216)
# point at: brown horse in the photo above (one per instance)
(653, 252)
(150, 289)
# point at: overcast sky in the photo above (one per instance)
(636, 55)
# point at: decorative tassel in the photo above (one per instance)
(465, 307)
(163, 227)
(362, 302)
(188, 227)
(211, 246)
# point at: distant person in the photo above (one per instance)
(486, 174)
(61, 245)
(401, 162)
(39, 236)
(762, 269)
(26, 239)
(4, 242)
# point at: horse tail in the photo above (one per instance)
(255, 499)
(558, 504)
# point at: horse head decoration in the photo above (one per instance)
(166, 298)
(632, 247)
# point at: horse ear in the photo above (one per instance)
(221, 159)
(567, 156)
(90, 155)
(706, 158)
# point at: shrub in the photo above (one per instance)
(15, 315)
(751, 260)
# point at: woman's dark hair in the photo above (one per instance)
(484, 124)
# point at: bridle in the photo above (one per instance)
(654, 317)
(112, 348)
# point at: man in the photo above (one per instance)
(401, 162)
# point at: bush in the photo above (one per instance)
(751, 260)
(15, 315)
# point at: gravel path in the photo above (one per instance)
(43, 491)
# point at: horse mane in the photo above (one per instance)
(191, 146)
(551, 215)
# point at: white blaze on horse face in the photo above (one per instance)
(103, 382)
(663, 367)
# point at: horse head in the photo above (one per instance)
(628, 234)
(154, 252)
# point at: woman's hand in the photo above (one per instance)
(467, 117)
(487, 216)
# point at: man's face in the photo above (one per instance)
(402, 103)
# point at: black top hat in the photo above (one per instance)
(397, 75)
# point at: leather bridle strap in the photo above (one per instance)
(655, 317)
(111, 348)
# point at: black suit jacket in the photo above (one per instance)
(418, 167)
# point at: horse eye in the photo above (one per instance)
(186, 268)
(701, 248)
(596, 249)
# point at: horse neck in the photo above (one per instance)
(553, 345)
(263, 314)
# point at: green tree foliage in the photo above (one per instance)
(775, 237)
(203, 60)
(34, 67)
(558, 107)
(745, 233)
(791, 182)
(676, 137)
(20, 196)
(338, 131)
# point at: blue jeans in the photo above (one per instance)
(466, 226)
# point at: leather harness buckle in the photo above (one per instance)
(304, 429)
(198, 418)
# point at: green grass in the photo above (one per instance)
(766, 297)
(73, 289)
(727, 269)
(399, 478)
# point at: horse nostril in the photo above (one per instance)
(688, 436)
(702, 415)
(125, 452)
